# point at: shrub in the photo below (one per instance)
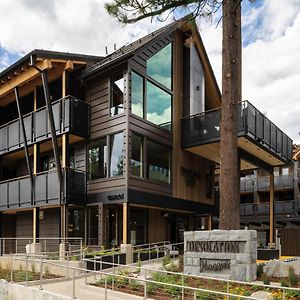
(293, 278)
(259, 270)
(46, 270)
(284, 282)
(134, 285)
(151, 287)
(166, 260)
(33, 268)
(265, 279)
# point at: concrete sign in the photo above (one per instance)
(227, 254)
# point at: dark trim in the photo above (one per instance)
(109, 197)
(165, 202)
(21, 120)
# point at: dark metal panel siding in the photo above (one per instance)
(49, 225)
(290, 241)
(24, 228)
(80, 156)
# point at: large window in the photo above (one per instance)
(159, 66)
(98, 159)
(117, 94)
(151, 93)
(106, 161)
(137, 155)
(137, 95)
(159, 110)
(158, 162)
(116, 154)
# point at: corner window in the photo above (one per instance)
(158, 162)
(98, 159)
(117, 94)
(116, 154)
(137, 155)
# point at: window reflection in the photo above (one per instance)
(116, 154)
(159, 106)
(137, 155)
(117, 91)
(98, 159)
(137, 94)
(159, 66)
(158, 162)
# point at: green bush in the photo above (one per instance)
(293, 278)
(33, 268)
(151, 287)
(292, 294)
(265, 279)
(134, 285)
(166, 260)
(284, 282)
(259, 270)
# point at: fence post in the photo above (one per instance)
(182, 283)
(16, 246)
(101, 268)
(95, 268)
(113, 279)
(73, 284)
(145, 290)
(227, 290)
(41, 274)
(195, 295)
(149, 255)
(118, 262)
(105, 291)
(4, 246)
(68, 273)
(283, 294)
(26, 270)
(11, 269)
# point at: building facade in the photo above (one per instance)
(123, 148)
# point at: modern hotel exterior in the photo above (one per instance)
(123, 148)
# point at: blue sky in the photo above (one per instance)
(271, 44)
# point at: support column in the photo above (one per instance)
(101, 225)
(271, 239)
(125, 220)
(296, 188)
(209, 222)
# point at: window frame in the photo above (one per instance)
(111, 94)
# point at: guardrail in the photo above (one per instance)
(49, 246)
(111, 280)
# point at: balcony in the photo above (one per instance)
(281, 182)
(257, 136)
(263, 209)
(70, 116)
(17, 193)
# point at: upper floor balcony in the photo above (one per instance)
(70, 116)
(258, 137)
(262, 183)
(18, 193)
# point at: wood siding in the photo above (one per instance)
(157, 226)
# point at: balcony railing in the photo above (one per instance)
(263, 183)
(204, 128)
(17, 193)
(70, 115)
(263, 209)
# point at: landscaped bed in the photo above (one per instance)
(133, 284)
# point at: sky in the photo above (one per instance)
(271, 44)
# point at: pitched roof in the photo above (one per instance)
(47, 54)
(129, 49)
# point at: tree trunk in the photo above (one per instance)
(231, 95)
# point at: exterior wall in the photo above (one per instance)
(157, 226)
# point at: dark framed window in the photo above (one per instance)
(98, 159)
(117, 94)
(137, 155)
(151, 92)
(116, 154)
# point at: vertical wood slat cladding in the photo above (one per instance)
(49, 226)
(157, 226)
(24, 228)
(182, 158)
(290, 242)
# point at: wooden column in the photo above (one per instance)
(101, 225)
(125, 220)
(271, 240)
(209, 222)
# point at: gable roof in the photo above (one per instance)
(129, 50)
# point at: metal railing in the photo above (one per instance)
(205, 128)
(49, 246)
(17, 192)
(70, 115)
(111, 279)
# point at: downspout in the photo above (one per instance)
(21, 120)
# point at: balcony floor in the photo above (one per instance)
(211, 151)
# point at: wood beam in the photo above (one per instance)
(25, 77)
(125, 211)
(271, 239)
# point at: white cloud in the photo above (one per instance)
(69, 25)
(4, 61)
(271, 59)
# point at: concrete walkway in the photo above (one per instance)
(85, 292)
